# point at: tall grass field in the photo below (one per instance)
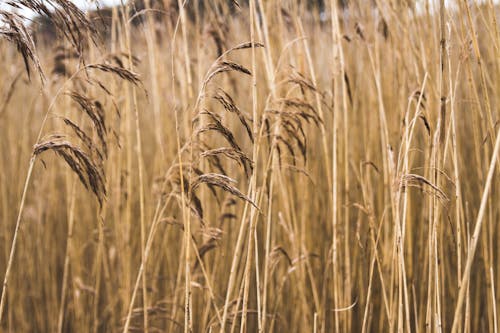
(250, 166)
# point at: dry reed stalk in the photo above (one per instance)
(69, 241)
(475, 236)
(336, 70)
(139, 157)
(186, 217)
(14, 239)
(153, 68)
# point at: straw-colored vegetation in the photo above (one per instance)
(250, 167)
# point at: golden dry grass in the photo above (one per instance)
(251, 168)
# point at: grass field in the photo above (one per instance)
(258, 166)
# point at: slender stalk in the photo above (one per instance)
(14, 238)
(69, 240)
(475, 236)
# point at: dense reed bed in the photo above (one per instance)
(259, 166)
